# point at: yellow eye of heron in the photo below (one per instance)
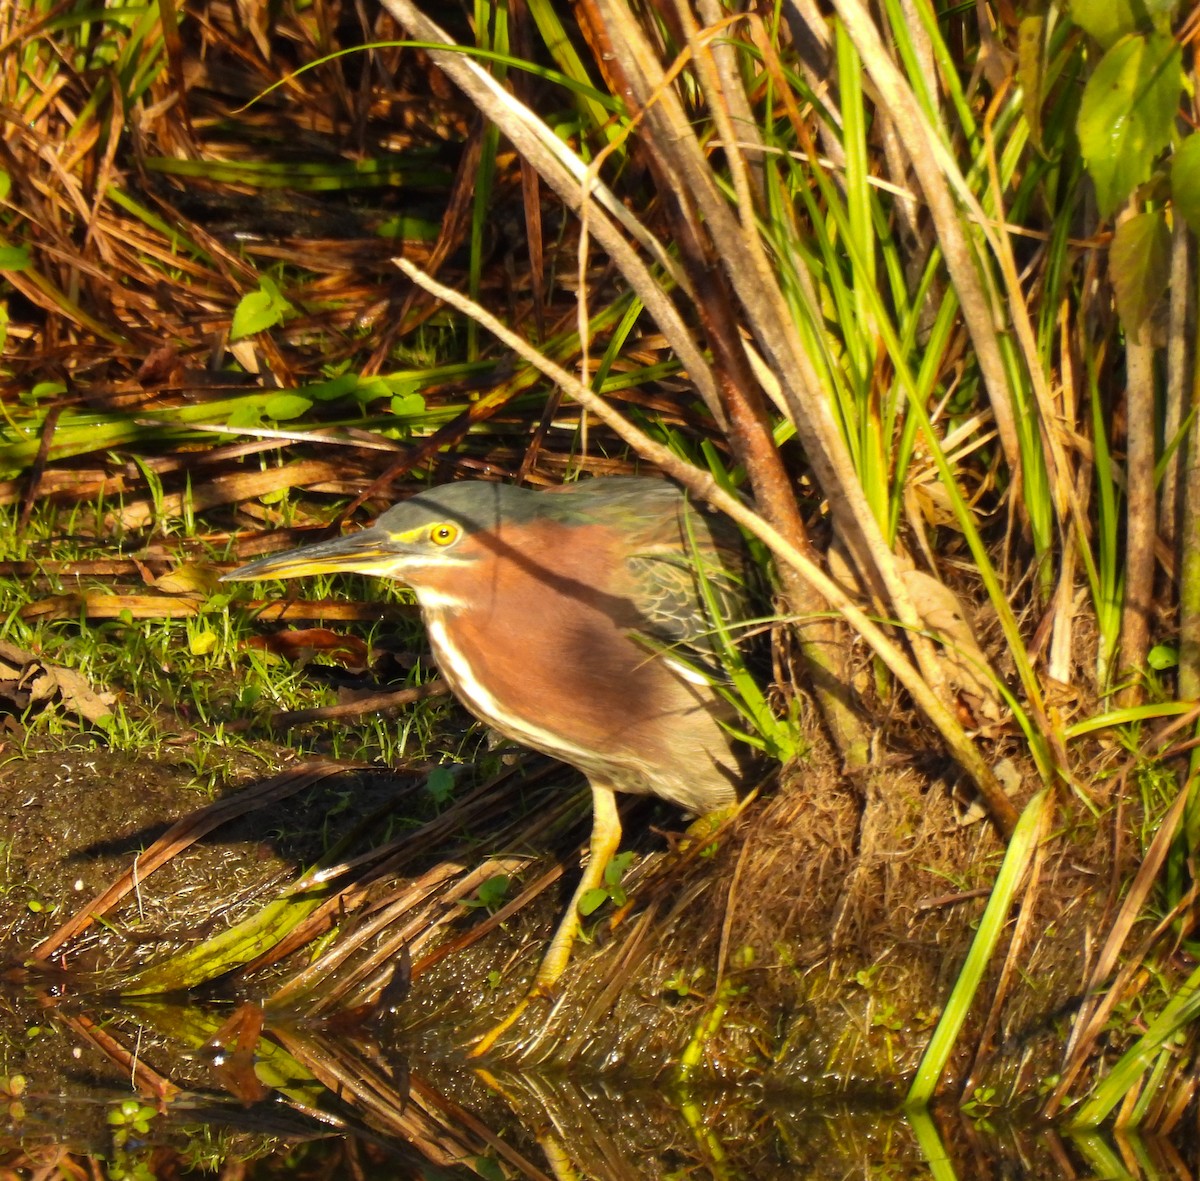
(444, 534)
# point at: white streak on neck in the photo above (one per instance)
(434, 601)
(457, 669)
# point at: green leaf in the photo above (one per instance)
(1031, 71)
(14, 258)
(248, 413)
(229, 948)
(285, 406)
(408, 406)
(1108, 20)
(1161, 12)
(411, 229)
(489, 1169)
(1123, 1076)
(1139, 264)
(259, 310)
(5, 184)
(614, 871)
(493, 892)
(1127, 114)
(439, 784)
(367, 389)
(1185, 181)
(592, 900)
(334, 388)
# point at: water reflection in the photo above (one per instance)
(151, 1089)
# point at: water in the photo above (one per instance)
(139, 1092)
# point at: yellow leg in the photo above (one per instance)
(606, 837)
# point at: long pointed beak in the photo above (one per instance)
(370, 551)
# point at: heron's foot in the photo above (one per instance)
(606, 836)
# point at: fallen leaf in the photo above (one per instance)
(969, 672)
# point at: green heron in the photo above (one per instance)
(572, 621)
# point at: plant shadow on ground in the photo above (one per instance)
(804, 951)
(828, 1030)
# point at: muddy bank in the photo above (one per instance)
(812, 945)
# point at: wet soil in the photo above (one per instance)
(746, 1002)
(74, 819)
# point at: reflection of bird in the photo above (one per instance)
(572, 621)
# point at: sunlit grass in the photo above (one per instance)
(178, 684)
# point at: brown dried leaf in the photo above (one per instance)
(17, 657)
(98, 605)
(194, 578)
(299, 643)
(79, 696)
(1139, 264)
(968, 668)
(27, 680)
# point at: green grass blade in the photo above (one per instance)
(230, 949)
(995, 916)
(1180, 1010)
(941, 1168)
